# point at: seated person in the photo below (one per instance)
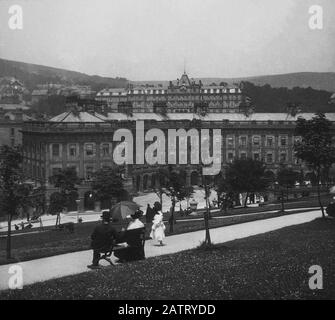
(102, 238)
(134, 249)
(331, 208)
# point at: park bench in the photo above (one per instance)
(134, 238)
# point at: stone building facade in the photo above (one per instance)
(181, 96)
(84, 141)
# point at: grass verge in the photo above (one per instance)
(50, 242)
(273, 265)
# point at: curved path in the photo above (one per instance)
(76, 262)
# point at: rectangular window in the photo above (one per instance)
(12, 131)
(89, 149)
(55, 150)
(269, 158)
(283, 157)
(230, 157)
(72, 150)
(269, 142)
(256, 141)
(243, 155)
(230, 142)
(105, 149)
(283, 141)
(243, 141)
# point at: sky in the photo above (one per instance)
(155, 39)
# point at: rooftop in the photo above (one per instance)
(82, 116)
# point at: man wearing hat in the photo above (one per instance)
(102, 238)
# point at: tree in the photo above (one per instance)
(286, 178)
(225, 195)
(66, 181)
(107, 184)
(13, 190)
(315, 147)
(207, 184)
(38, 200)
(172, 185)
(184, 193)
(159, 188)
(246, 176)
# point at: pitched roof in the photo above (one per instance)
(39, 92)
(216, 116)
(70, 116)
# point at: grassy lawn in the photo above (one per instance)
(43, 244)
(268, 266)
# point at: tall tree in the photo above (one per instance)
(286, 178)
(207, 184)
(66, 181)
(224, 193)
(13, 190)
(246, 176)
(315, 147)
(162, 180)
(172, 185)
(184, 193)
(107, 184)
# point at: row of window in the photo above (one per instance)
(73, 149)
(269, 157)
(257, 141)
(88, 170)
(89, 148)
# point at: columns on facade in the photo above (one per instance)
(141, 183)
(80, 202)
(188, 178)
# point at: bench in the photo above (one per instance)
(134, 238)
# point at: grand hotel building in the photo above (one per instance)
(181, 96)
(83, 139)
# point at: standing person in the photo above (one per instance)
(149, 214)
(158, 227)
(102, 238)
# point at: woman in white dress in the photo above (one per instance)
(158, 227)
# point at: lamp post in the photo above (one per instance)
(78, 203)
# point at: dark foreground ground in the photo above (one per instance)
(269, 266)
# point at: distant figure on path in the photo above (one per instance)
(158, 227)
(102, 238)
(149, 214)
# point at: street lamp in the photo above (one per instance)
(78, 203)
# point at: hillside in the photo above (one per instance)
(268, 99)
(316, 80)
(33, 74)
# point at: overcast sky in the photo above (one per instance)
(150, 39)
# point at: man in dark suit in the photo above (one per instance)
(102, 238)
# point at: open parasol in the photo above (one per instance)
(123, 209)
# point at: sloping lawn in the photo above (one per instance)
(43, 244)
(269, 266)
